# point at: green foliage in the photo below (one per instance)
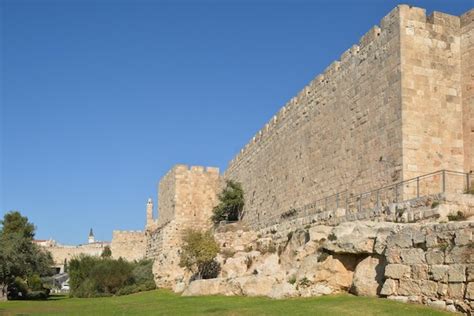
(94, 276)
(459, 216)
(20, 258)
(106, 253)
(434, 204)
(231, 203)
(332, 237)
(292, 279)
(198, 253)
(304, 282)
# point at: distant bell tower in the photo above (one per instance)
(149, 212)
(91, 238)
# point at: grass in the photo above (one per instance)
(162, 302)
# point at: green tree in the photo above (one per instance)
(106, 253)
(231, 203)
(20, 258)
(198, 254)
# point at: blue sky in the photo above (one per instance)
(100, 98)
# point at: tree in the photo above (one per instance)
(20, 258)
(231, 203)
(198, 253)
(106, 253)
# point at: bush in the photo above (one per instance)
(459, 216)
(95, 276)
(231, 203)
(198, 253)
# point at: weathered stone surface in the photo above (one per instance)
(457, 273)
(470, 291)
(397, 271)
(434, 256)
(439, 273)
(389, 288)
(256, 285)
(368, 277)
(283, 290)
(212, 287)
(419, 271)
(331, 271)
(409, 287)
(319, 232)
(437, 304)
(412, 256)
(428, 288)
(456, 290)
(352, 237)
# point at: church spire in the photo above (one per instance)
(91, 238)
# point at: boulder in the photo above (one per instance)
(217, 286)
(368, 277)
(319, 232)
(330, 271)
(283, 290)
(255, 285)
(352, 237)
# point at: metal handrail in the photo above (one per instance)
(358, 197)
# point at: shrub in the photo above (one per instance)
(434, 204)
(107, 252)
(198, 253)
(231, 203)
(332, 237)
(96, 276)
(292, 279)
(459, 216)
(304, 282)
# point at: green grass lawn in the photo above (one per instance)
(161, 302)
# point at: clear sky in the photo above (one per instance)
(100, 98)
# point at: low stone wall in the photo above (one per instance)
(432, 264)
(428, 263)
(129, 245)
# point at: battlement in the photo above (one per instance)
(389, 27)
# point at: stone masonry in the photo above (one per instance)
(395, 106)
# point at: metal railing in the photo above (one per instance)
(437, 182)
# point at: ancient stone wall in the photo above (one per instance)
(64, 253)
(431, 92)
(432, 264)
(129, 245)
(389, 110)
(467, 88)
(187, 196)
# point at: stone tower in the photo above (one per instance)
(91, 238)
(149, 212)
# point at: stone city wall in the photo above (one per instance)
(187, 196)
(390, 109)
(63, 253)
(129, 245)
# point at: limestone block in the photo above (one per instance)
(457, 273)
(460, 254)
(456, 290)
(389, 287)
(368, 277)
(428, 288)
(412, 256)
(463, 237)
(393, 255)
(437, 304)
(255, 285)
(442, 289)
(397, 271)
(283, 290)
(402, 299)
(409, 287)
(470, 291)
(434, 256)
(470, 273)
(419, 271)
(319, 232)
(218, 286)
(439, 273)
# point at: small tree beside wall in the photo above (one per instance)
(198, 252)
(231, 203)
